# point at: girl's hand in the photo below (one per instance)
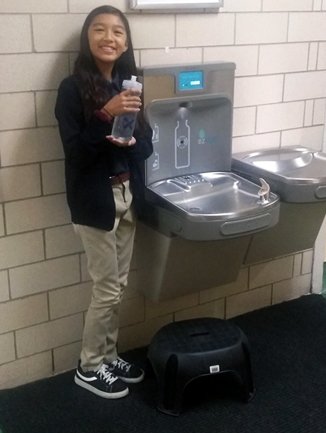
(127, 101)
(121, 143)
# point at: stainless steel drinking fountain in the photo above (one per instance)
(200, 215)
(298, 176)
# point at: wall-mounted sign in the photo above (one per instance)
(175, 4)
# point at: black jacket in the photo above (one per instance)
(90, 160)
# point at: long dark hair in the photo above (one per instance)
(92, 85)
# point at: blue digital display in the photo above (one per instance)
(190, 80)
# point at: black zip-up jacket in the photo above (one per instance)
(91, 159)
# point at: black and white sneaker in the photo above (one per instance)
(102, 382)
(127, 372)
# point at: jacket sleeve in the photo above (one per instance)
(82, 142)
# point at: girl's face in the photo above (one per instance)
(107, 39)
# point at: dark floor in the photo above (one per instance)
(288, 354)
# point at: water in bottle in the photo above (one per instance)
(124, 125)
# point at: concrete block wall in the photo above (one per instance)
(279, 47)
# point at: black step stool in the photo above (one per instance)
(183, 351)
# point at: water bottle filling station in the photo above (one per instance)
(197, 209)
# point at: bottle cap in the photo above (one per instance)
(132, 84)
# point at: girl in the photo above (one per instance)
(103, 182)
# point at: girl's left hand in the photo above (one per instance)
(121, 143)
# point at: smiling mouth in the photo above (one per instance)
(108, 49)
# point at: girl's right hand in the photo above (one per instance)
(128, 101)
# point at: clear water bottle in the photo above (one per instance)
(124, 125)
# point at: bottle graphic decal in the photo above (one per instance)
(182, 144)
(155, 140)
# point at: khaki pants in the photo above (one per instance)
(108, 261)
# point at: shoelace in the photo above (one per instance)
(106, 375)
(120, 363)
